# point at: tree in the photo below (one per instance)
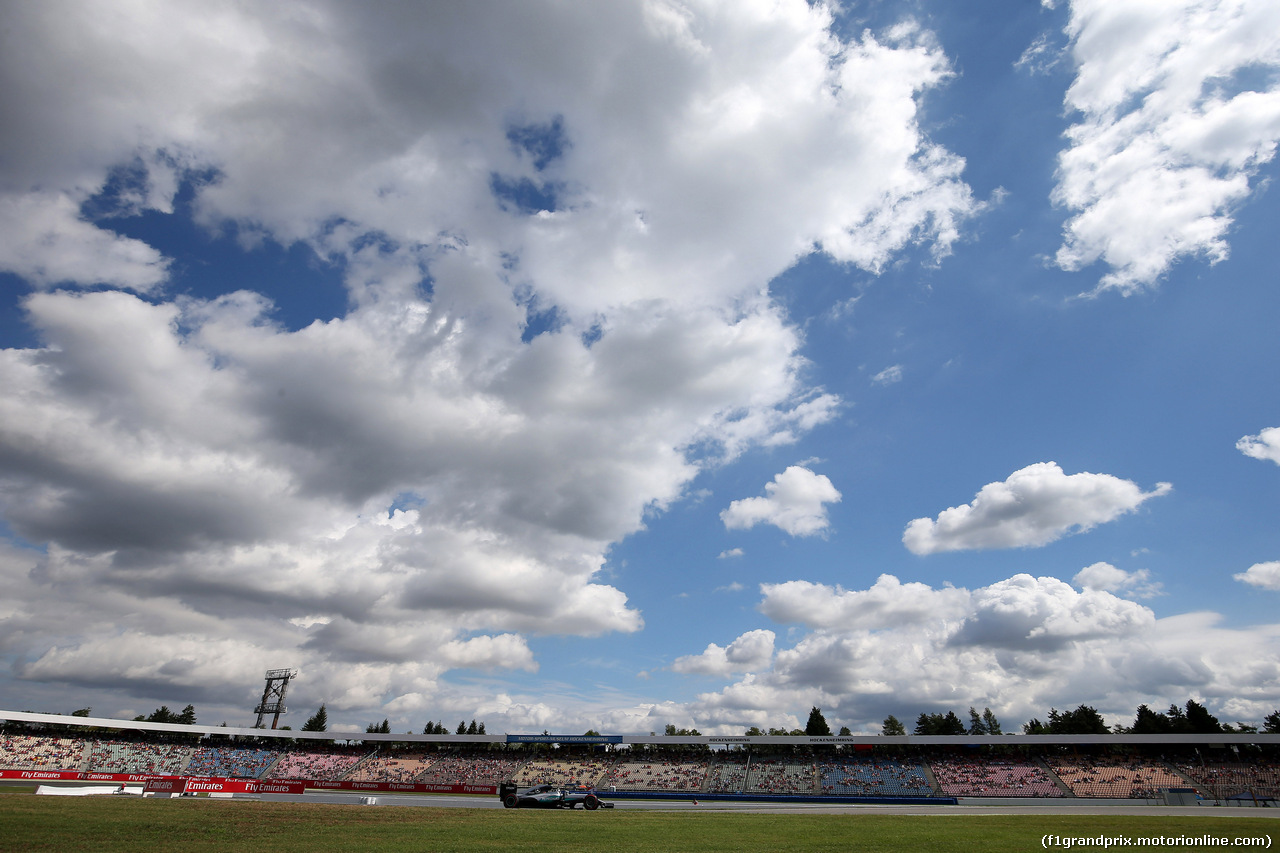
(1084, 720)
(754, 731)
(1149, 722)
(817, 725)
(188, 716)
(480, 730)
(892, 726)
(462, 728)
(83, 712)
(844, 731)
(162, 715)
(989, 720)
(383, 728)
(976, 725)
(1200, 721)
(317, 722)
(1271, 723)
(939, 724)
(1195, 719)
(471, 729)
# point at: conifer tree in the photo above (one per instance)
(317, 722)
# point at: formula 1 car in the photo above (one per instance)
(548, 797)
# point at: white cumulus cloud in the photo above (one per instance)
(795, 501)
(1108, 578)
(886, 603)
(1036, 505)
(751, 651)
(1170, 130)
(1262, 575)
(1019, 646)
(44, 240)
(1264, 445)
(418, 483)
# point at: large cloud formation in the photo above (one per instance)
(1019, 646)
(1178, 106)
(1036, 505)
(422, 482)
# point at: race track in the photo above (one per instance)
(1031, 807)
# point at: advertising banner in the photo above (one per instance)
(220, 785)
(274, 786)
(117, 777)
(166, 785)
(408, 787)
(42, 775)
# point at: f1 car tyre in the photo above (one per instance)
(591, 803)
(510, 801)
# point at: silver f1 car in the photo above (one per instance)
(548, 797)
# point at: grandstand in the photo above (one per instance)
(25, 752)
(390, 768)
(1065, 767)
(314, 765)
(875, 777)
(230, 761)
(573, 772)
(728, 774)
(657, 775)
(1225, 780)
(1129, 778)
(471, 769)
(780, 776)
(993, 777)
(110, 756)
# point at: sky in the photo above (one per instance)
(570, 366)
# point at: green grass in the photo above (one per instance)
(107, 824)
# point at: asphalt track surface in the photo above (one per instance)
(1038, 807)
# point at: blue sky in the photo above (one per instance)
(691, 363)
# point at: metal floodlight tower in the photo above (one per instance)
(273, 696)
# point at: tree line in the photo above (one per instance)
(159, 715)
(946, 724)
(319, 722)
(1191, 718)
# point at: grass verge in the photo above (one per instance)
(108, 825)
